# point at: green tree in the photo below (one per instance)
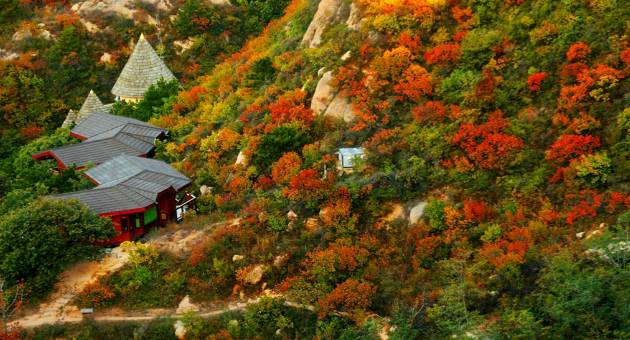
(156, 101)
(584, 299)
(37, 241)
(279, 141)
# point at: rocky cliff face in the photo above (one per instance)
(328, 99)
(126, 8)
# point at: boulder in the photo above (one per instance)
(106, 58)
(221, 2)
(594, 233)
(416, 212)
(255, 275)
(124, 8)
(312, 224)
(280, 260)
(183, 45)
(324, 93)
(346, 56)
(354, 19)
(205, 190)
(180, 329)
(237, 258)
(397, 212)
(21, 34)
(292, 216)
(8, 55)
(327, 12)
(186, 306)
(341, 107)
(329, 101)
(241, 159)
(45, 34)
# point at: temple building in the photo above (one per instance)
(133, 190)
(135, 193)
(105, 136)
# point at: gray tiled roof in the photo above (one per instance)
(108, 136)
(143, 69)
(112, 199)
(127, 182)
(99, 123)
(124, 167)
(101, 150)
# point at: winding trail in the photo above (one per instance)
(143, 316)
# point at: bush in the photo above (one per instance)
(280, 140)
(48, 229)
(435, 215)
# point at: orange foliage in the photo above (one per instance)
(341, 255)
(308, 185)
(350, 295)
(238, 184)
(442, 54)
(290, 108)
(338, 208)
(227, 139)
(625, 56)
(96, 293)
(583, 122)
(534, 81)
(31, 131)
(197, 253)
(485, 88)
(486, 144)
(429, 111)
(191, 97)
(568, 147)
(463, 16)
(476, 211)
(509, 249)
(67, 19)
(573, 71)
(582, 205)
(412, 43)
(415, 83)
(385, 142)
(286, 167)
(578, 51)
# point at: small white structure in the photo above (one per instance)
(347, 158)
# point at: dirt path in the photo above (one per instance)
(151, 314)
(72, 282)
(58, 308)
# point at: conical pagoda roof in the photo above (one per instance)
(71, 118)
(143, 69)
(92, 104)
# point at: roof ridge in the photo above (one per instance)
(161, 173)
(118, 187)
(136, 190)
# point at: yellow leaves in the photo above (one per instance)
(220, 142)
(139, 253)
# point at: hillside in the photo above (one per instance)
(491, 199)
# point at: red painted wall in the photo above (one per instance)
(167, 202)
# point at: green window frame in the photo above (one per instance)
(150, 215)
